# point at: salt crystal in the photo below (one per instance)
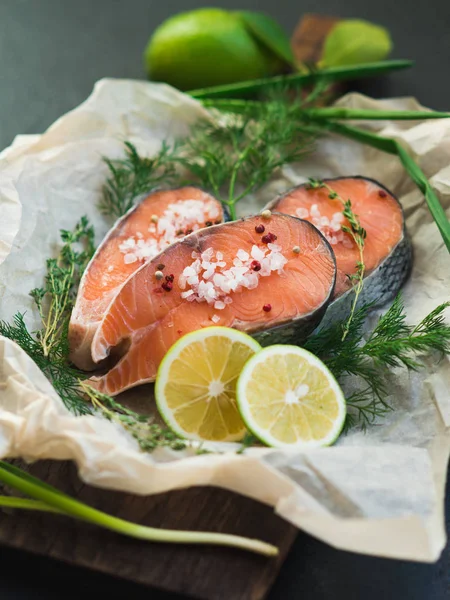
(315, 212)
(257, 253)
(215, 318)
(207, 254)
(243, 255)
(219, 305)
(129, 258)
(302, 213)
(274, 247)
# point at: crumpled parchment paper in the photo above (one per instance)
(379, 493)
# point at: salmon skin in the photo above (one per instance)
(272, 278)
(161, 218)
(387, 249)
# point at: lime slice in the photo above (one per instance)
(195, 386)
(289, 399)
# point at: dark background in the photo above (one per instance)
(51, 54)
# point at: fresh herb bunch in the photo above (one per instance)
(237, 156)
(231, 157)
(392, 343)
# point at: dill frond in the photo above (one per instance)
(135, 175)
(392, 343)
(231, 157)
(238, 154)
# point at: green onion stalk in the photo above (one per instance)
(48, 499)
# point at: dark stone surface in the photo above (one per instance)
(51, 53)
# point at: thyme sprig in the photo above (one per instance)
(148, 434)
(55, 300)
(358, 234)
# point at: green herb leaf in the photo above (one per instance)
(354, 41)
(269, 33)
(255, 86)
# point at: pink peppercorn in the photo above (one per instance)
(260, 229)
(268, 238)
(382, 194)
(267, 307)
(255, 265)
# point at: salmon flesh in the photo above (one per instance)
(387, 250)
(272, 278)
(161, 218)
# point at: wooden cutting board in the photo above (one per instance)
(198, 571)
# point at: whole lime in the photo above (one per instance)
(206, 47)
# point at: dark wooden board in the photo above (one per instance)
(198, 571)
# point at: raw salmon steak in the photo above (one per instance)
(161, 218)
(272, 278)
(387, 251)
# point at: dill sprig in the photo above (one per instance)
(64, 378)
(231, 156)
(135, 175)
(358, 234)
(235, 156)
(392, 343)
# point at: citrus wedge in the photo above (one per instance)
(195, 385)
(289, 399)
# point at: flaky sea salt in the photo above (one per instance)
(209, 278)
(178, 220)
(330, 228)
(129, 258)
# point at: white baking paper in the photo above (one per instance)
(379, 493)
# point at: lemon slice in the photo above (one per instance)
(289, 399)
(195, 386)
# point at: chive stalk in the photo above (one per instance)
(238, 106)
(245, 88)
